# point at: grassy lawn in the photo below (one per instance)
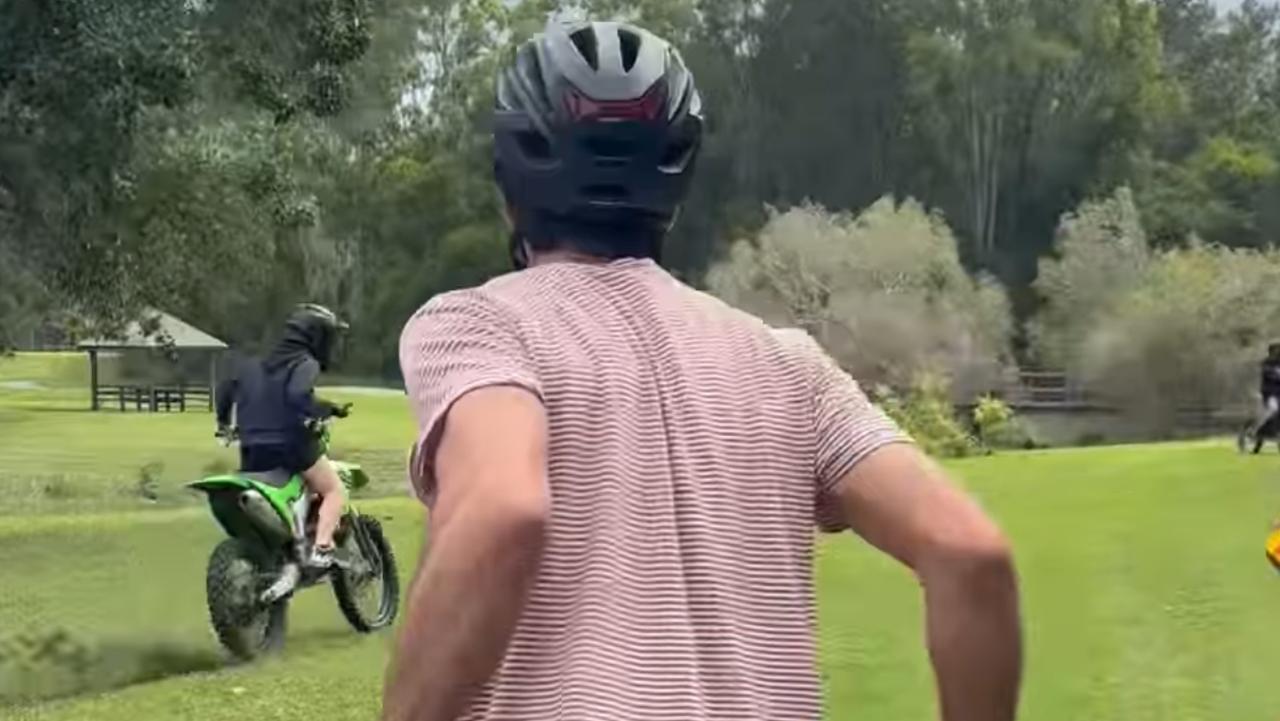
(1146, 594)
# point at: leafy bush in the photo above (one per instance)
(926, 413)
(1155, 332)
(1101, 254)
(998, 427)
(1189, 335)
(884, 292)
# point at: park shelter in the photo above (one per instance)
(188, 371)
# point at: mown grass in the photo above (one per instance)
(1146, 598)
(105, 600)
(1146, 595)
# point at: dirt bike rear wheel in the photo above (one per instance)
(237, 574)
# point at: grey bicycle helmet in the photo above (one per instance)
(596, 133)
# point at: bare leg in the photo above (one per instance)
(323, 480)
(1270, 407)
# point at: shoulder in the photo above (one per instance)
(307, 368)
(468, 310)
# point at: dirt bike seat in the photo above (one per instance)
(279, 478)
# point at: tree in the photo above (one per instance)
(1029, 106)
(78, 82)
(1212, 170)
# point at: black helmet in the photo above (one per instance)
(597, 126)
(316, 328)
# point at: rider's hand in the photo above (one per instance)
(342, 411)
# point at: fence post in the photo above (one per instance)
(93, 379)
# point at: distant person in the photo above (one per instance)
(1269, 390)
(273, 398)
(624, 474)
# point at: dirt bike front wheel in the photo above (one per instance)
(368, 589)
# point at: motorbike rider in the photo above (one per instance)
(1269, 389)
(274, 398)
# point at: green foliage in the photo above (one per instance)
(990, 414)
(337, 150)
(88, 87)
(1212, 171)
(926, 413)
(998, 428)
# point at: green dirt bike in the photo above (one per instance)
(270, 522)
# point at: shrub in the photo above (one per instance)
(998, 428)
(884, 292)
(1189, 336)
(926, 412)
(1155, 333)
(1101, 254)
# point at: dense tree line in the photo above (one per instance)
(225, 158)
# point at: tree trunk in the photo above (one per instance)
(976, 190)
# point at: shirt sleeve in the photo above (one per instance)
(225, 394)
(300, 390)
(457, 343)
(849, 427)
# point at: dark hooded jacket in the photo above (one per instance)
(274, 397)
(1270, 381)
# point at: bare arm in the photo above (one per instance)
(487, 536)
(902, 503)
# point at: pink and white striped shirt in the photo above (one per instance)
(691, 451)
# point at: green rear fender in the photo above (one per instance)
(281, 499)
(221, 483)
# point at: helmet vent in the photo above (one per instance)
(534, 145)
(585, 41)
(677, 155)
(630, 44)
(606, 193)
(607, 148)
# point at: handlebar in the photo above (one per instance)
(227, 436)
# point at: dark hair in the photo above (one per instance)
(625, 235)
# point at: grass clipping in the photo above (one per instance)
(43, 665)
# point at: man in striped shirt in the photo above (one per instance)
(624, 474)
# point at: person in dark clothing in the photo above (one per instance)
(273, 398)
(1269, 389)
